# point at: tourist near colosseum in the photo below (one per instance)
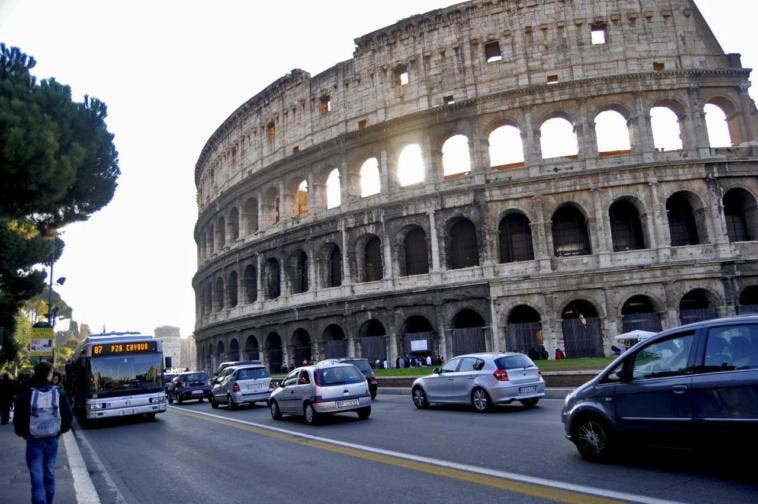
(493, 175)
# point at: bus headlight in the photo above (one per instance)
(97, 406)
(157, 400)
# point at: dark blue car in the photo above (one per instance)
(192, 385)
(689, 384)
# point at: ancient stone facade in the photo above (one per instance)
(335, 218)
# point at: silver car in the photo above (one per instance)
(313, 391)
(241, 384)
(481, 379)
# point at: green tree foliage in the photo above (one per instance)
(58, 165)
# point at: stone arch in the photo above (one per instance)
(505, 146)
(220, 352)
(301, 347)
(582, 331)
(410, 169)
(456, 156)
(666, 118)
(748, 300)
(297, 191)
(211, 236)
(219, 294)
(272, 205)
(209, 297)
(373, 341)
(727, 122)
(523, 330)
(331, 259)
(571, 235)
(232, 289)
(467, 333)
(741, 215)
(686, 219)
(558, 139)
(697, 305)
(412, 251)
(210, 358)
(639, 312)
(250, 283)
(335, 342)
(612, 132)
(234, 350)
(462, 243)
(221, 232)
(274, 353)
(369, 178)
(297, 271)
(271, 278)
(234, 224)
(417, 335)
(627, 231)
(515, 238)
(369, 258)
(250, 216)
(252, 349)
(333, 188)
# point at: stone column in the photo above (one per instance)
(435, 245)
(645, 143)
(660, 223)
(601, 237)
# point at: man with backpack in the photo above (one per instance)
(42, 414)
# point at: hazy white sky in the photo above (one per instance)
(170, 72)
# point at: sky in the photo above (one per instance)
(171, 72)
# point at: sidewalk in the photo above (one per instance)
(15, 486)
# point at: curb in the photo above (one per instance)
(550, 393)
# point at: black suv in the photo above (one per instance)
(689, 384)
(365, 368)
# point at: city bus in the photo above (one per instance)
(116, 375)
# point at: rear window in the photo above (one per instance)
(194, 377)
(252, 374)
(363, 365)
(339, 375)
(514, 362)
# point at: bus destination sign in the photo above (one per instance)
(123, 348)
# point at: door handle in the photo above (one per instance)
(679, 389)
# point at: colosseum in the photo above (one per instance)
(494, 175)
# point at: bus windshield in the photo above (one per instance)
(125, 374)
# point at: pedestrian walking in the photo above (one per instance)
(42, 414)
(7, 391)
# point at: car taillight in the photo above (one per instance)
(500, 375)
(236, 387)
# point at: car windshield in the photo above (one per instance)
(125, 374)
(252, 374)
(194, 377)
(339, 375)
(514, 362)
(361, 364)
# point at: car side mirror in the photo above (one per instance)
(437, 371)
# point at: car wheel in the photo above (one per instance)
(214, 404)
(480, 400)
(593, 439)
(230, 403)
(529, 403)
(419, 398)
(364, 413)
(276, 414)
(311, 417)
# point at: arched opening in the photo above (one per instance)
(272, 206)
(210, 361)
(335, 343)
(639, 313)
(717, 125)
(333, 189)
(626, 226)
(698, 305)
(741, 215)
(201, 244)
(467, 334)
(369, 178)
(297, 271)
(333, 270)
(372, 260)
(456, 158)
(666, 129)
(418, 336)
(410, 166)
(252, 352)
(683, 226)
(301, 347)
(570, 234)
(506, 148)
(251, 216)
(234, 350)
(232, 289)
(219, 296)
(523, 332)
(274, 352)
(211, 237)
(250, 281)
(272, 279)
(234, 224)
(558, 139)
(582, 333)
(221, 232)
(301, 199)
(612, 134)
(515, 238)
(414, 255)
(748, 302)
(462, 245)
(220, 353)
(373, 341)
(208, 308)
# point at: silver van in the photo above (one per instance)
(240, 384)
(314, 391)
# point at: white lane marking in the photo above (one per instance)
(83, 486)
(119, 498)
(600, 492)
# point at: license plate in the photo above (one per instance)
(197, 391)
(347, 404)
(254, 386)
(526, 390)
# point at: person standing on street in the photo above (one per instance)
(7, 391)
(42, 414)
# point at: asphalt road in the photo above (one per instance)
(193, 453)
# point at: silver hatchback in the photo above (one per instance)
(239, 384)
(481, 379)
(313, 391)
